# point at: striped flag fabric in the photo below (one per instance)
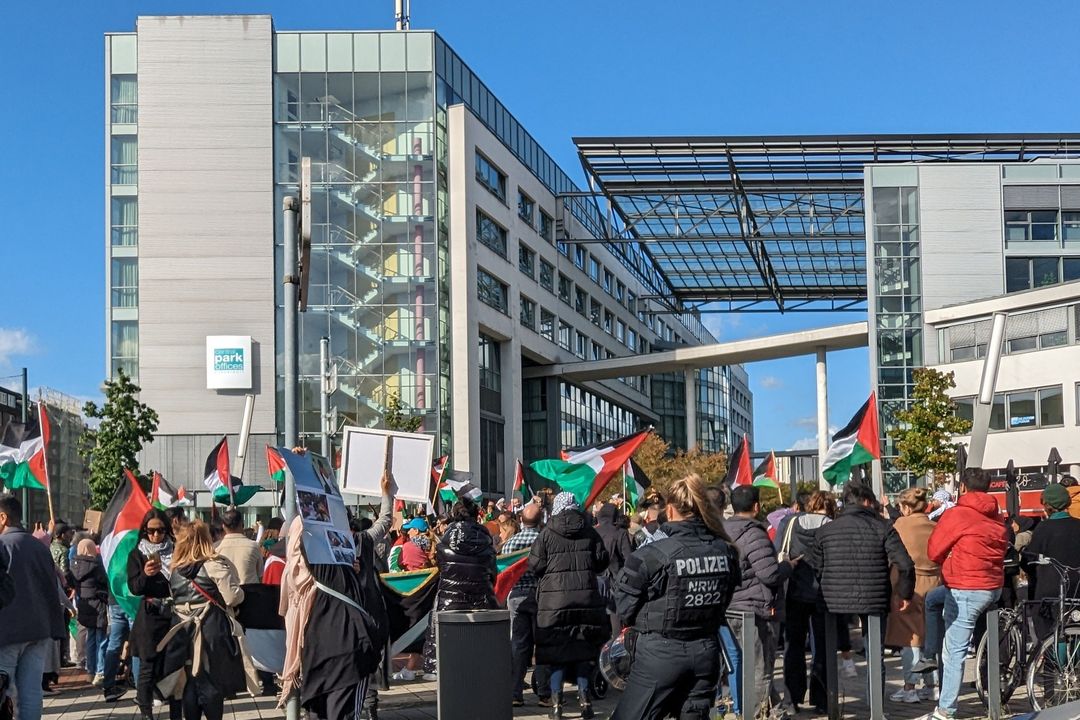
(765, 473)
(163, 495)
(275, 465)
(519, 481)
(216, 473)
(859, 442)
(22, 452)
(458, 485)
(438, 468)
(120, 535)
(636, 483)
(584, 471)
(738, 472)
(510, 567)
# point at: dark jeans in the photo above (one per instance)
(805, 621)
(523, 641)
(581, 671)
(202, 700)
(150, 669)
(670, 677)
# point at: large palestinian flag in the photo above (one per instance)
(22, 452)
(585, 471)
(120, 535)
(738, 471)
(216, 473)
(765, 473)
(858, 443)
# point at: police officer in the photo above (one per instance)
(674, 593)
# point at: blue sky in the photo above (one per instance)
(564, 68)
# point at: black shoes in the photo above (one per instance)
(585, 705)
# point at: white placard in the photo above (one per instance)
(364, 456)
(327, 539)
(228, 362)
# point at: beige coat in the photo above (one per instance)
(906, 629)
(244, 555)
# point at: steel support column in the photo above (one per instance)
(691, 409)
(822, 414)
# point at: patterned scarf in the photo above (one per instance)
(422, 542)
(164, 551)
(564, 501)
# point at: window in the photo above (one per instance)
(609, 321)
(491, 291)
(547, 226)
(488, 232)
(492, 454)
(125, 99)
(489, 359)
(1021, 409)
(631, 302)
(1027, 226)
(594, 268)
(565, 288)
(124, 277)
(1070, 227)
(609, 280)
(125, 347)
(620, 331)
(620, 290)
(581, 299)
(526, 206)
(564, 335)
(490, 177)
(631, 339)
(1045, 271)
(125, 160)
(125, 221)
(1017, 274)
(526, 260)
(547, 324)
(581, 345)
(547, 276)
(596, 352)
(1050, 409)
(594, 311)
(528, 313)
(580, 257)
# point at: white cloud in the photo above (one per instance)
(771, 382)
(13, 342)
(810, 443)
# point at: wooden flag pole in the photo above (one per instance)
(45, 460)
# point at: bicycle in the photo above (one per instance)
(1013, 649)
(1054, 675)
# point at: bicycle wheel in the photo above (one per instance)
(1009, 647)
(1054, 675)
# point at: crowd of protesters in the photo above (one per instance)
(681, 571)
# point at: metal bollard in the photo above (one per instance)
(748, 655)
(832, 675)
(993, 663)
(875, 667)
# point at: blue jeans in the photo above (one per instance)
(734, 656)
(582, 670)
(119, 627)
(24, 663)
(962, 610)
(933, 610)
(97, 640)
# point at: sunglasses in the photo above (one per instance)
(152, 530)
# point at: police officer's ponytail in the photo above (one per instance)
(689, 496)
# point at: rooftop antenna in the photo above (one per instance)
(401, 14)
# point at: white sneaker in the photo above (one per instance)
(906, 696)
(847, 668)
(98, 681)
(928, 693)
(430, 677)
(404, 674)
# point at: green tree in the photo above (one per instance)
(664, 466)
(125, 426)
(395, 418)
(925, 430)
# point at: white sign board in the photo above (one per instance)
(364, 456)
(327, 539)
(228, 362)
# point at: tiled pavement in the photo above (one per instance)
(416, 701)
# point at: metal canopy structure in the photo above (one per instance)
(757, 222)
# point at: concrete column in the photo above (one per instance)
(691, 409)
(822, 413)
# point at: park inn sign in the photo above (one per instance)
(228, 362)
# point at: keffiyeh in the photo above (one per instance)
(564, 501)
(944, 500)
(422, 542)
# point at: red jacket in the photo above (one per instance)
(969, 543)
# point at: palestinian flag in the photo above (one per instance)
(22, 452)
(275, 465)
(858, 443)
(438, 468)
(585, 471)
(120, 535)
(409, 596)
(163, 495)
(510, 568)
(738, 472)
(519, 482)
(241, 493)
(765, 473)
(635, 484)
(216, 474)
(457, 485)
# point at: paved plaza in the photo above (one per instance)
(416, 701)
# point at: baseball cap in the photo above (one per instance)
(416, 524)
(1056, 496)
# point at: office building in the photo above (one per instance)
(449, 253)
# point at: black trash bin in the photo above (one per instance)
(472, 655)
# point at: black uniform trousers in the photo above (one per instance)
(671, 677)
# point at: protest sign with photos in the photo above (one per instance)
(327, 538)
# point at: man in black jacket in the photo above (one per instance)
(852, 557)
(762, 576)
(1056, 538)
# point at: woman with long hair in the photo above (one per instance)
(148, 569)
(206, 639)
(571, 615)
(906, 629)
(673, 593)
(91, 585)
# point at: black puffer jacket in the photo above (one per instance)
(572, 622)
(852, 555)
(803, 584)
(87, 576)
(616, 538)
(466, 559)
(761, 573)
